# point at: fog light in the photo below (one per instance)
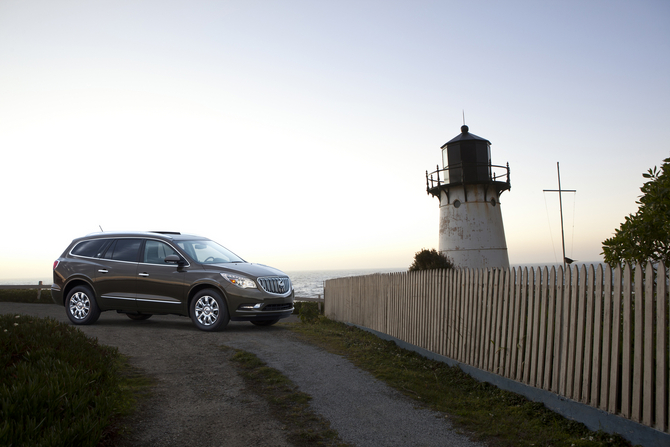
(251, 306)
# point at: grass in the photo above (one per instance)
(60, 387)
(288, 405)
(25, 296)
(486, 413)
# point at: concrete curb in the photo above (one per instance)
(593, 418)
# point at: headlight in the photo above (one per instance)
(240, 281)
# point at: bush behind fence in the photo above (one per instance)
(594, 335)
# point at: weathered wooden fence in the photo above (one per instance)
(596, 335)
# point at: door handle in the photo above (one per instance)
(103, 271)
(143, 274)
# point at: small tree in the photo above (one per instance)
(429, 260)
(646, 234)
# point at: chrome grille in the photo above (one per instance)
(275, 284)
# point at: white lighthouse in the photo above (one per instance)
(469, 188)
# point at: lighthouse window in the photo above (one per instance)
(457, 203)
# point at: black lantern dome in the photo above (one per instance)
(467, 158)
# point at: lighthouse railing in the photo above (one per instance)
(457, 174)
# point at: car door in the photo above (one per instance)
(160, 284)
(116, 277)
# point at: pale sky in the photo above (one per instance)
(298, 133)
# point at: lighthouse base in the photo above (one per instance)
(475, 259)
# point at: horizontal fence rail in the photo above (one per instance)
(598, 336)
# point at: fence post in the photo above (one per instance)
(39, 290)
(661, 349)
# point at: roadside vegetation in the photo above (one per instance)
(429, 260)
(289, 406)
(486, 413)
(644, 236)
(60, 387)
(25, 296)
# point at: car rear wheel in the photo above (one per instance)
(139, 317)
(265, 322)
(209, 311)
(81, 307)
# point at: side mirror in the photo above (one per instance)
(174, 259)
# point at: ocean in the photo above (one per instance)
(309, 283)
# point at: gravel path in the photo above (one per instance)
(199, 400)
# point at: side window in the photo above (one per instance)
(156, 251)
(90, 249)
(124, 250)
(110, 251)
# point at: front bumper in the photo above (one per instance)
(262, 309)
(263, 316)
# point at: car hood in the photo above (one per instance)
(245, 268)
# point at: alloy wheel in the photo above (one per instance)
(207, 310)
(80, 305)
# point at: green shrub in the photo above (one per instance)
(309, 312)
(297, 305)
(57, 386)
(25, 296)
(429, 260)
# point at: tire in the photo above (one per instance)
(265, 322)
(209, 311)
(80, 306)
(139, 317)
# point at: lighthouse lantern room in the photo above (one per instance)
(469, 188)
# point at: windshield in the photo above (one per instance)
(208, 252)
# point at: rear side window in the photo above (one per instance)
(89, 249)
(124, 250)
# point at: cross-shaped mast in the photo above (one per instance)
(560, 202)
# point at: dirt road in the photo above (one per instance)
(199, 400)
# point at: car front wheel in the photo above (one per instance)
(209, 311)
(81, 307)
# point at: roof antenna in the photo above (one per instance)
(464, 117)
(101, 229)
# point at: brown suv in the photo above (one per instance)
(142, 274)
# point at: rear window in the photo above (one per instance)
(124, 250)
(89, 249)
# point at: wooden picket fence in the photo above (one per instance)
(594, 335)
